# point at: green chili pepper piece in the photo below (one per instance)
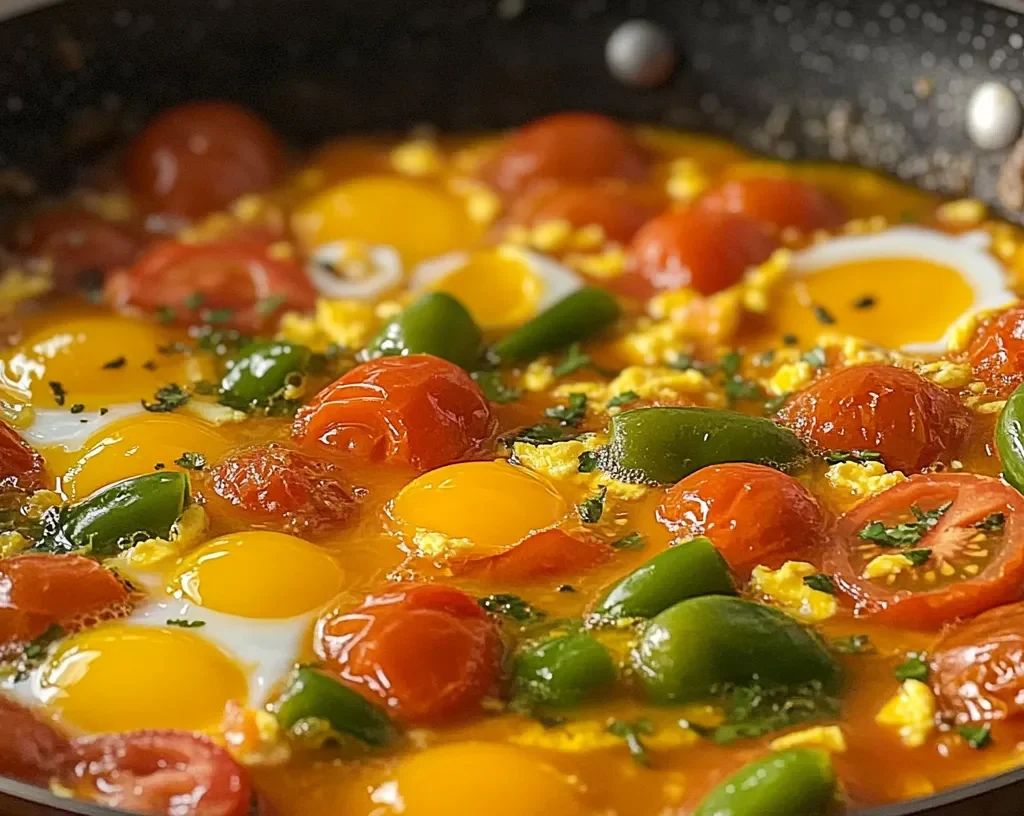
(564, 671)
(119, 515)
(261, 370)
(663, 445)
(799, 782)
(575, 317)
(687, 570)
(313, 695)
(1010, 439)
(701, 643)
(435, 324)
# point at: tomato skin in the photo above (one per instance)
(571, 147)
(706, 251)
(418, 410)
(197, 158)
(20, 466)
(779, 202)
(78, 241)
(753, 514)
(30, 750)
(619, 213)
(548, 554)
(1002, 581)
(44, 589)
(912, 422)
(284, 489)
(428, 651)
(997, 352)
(977, 667)
(235, 275)
(163, 773)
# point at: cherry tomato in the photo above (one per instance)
(619, 213)
(78, 241)
(912, 422)
(428, 651)
(233, 283)
(163, 773)
(198, 158)
(419, 410)
(997, 351)
(30, 750)
(977, 667)
(572, 147)
(707, 251)
(41, 590)
(969, 568)
(284, 489)
(754, 515)
(20, 466)
(548, 554)
(780, 202)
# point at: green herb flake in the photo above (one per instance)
(511, 606)
(194, 300)
(823, 315)
(633, 541)
(77, 408)
(730, 363)
(918, 557)
(59, 394)
(574, 360)
(820, 582)
(752, 711)
(159, 466)
(631, 733)
(625, 398)
(268, 305)
(772, 405)
(913, 668)
(149, 365)
(38, 646)
(494, 388)
(589, 462)
(815, 357)
(168, 398)
(790, 339)
(737, 388)
(191, 461)
(117, 362)
(836, 457)
(565, 588)
(165, 314)
(571, 414)
(865, 302)
(906, 534)
(977, 736)
(992, 523)
(218, 316)
(591, 510)
(541, 434)
(853, 644)
(185, 624)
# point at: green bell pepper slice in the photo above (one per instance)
(260, 371)
(117, 516)
(575, 317)
(799, 782)
(563, 671)
(662, 445)
(436, 324)
(311, 694)
(696, 646)
(1010, 439)
(686, 570)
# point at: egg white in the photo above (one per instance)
(57, 426)
(385, 271)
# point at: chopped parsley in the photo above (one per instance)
(37, 647)
(823, 315)
(737, 388)
(149, 365)
(765, 358)
(571, 414)
(191, 460)
(77, 408)
(865, 302)
(815, 357)
(790, 339)
(632, 541)
(977, 736)
(913, 668)
(853, 644)
(494, 388)
(565, 588)
(820, 582)
(589, 462)
(20, 664)
(574, 360)
(104, 411)
(918, 557)
(541, 434)
(218, 315)
(268, 305)
(185, 624)
(168, 397)
(511, 606)
(773, 404)
(59, 394)
(159, 466)
(992, 523)
(625, 398)
(194, 300)
(165, 314)
(752, 711)
(631, 733)
(730, 363)
(117, 362)
(906, 534)
(836, 457)
(591, 510)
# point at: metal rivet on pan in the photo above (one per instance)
(994, 116)
(640, 53)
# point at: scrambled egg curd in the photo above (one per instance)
(787, 589)
(910, 712)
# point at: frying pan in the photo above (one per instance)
(889, 84)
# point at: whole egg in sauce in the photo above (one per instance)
(587, 468)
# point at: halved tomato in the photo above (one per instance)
(966, 530)
(30, 750)
(20, 466)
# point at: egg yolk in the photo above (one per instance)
(497, 286)
(258, 575)
(120, 677)
(868, 299)
(418, 220)
(132, 447)
(97, 361)
(491, 505)
(500, 780)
